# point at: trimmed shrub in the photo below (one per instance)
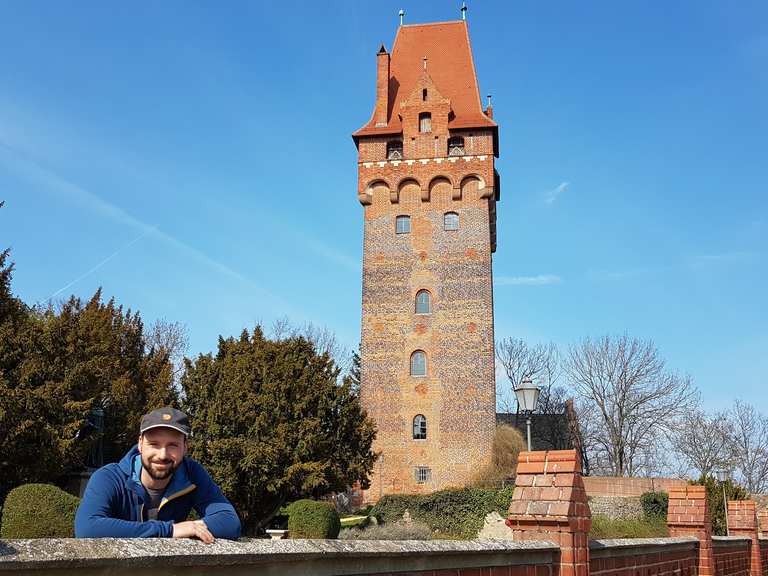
(507, 444)
(396, 531)
(655, 505)
(39, 511)
(312, 519)
(605, 527)
(448, 513)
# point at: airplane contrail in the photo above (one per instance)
(99, 265)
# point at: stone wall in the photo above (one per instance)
(616, 507)
(166, 557)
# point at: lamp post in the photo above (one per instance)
(722, 476)
(527, 398)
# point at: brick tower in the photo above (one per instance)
(428, 186)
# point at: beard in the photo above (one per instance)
(157, 473)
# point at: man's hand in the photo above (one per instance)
(193, 529)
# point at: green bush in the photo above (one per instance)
(39, 511)
(448, 513)
(605, 527)
(312, 519)
(396, 531)
(655, 504)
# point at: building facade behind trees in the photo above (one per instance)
(428, 186)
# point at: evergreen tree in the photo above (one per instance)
(272, 425)
(55, 367)
(354, 373)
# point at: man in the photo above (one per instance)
(152, 490)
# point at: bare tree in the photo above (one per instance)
(324, 340)
(171, 338)
(704, 441)
(540, 363)
(750, 436)
(634, 398)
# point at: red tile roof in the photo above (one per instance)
(449, 64)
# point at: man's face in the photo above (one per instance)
(162, 450)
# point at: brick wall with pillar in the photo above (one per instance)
(549, 503)
(742, 521)
(688, 515)
(762, 517)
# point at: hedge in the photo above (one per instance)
(312, 519)
(655, 505)
(449, 513)
(38, 511)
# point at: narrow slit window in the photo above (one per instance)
(418, 363)
(451, 221)
(419, 427)
(425, 122)
(403, 225)
(424, 94)
(423, 302)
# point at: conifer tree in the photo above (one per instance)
(272, 424)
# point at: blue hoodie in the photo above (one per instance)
(113, 503)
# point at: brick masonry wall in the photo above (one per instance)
(742, 521)
(616, 558)
(731, 557)
(457, 396)
(485, 571)
(610, 486)
(688, 516)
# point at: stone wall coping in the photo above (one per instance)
(130, 554)
(611, 548)
(725, 541)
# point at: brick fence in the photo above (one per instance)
(610, 486)
(549, 520)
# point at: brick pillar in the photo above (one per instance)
(742, 521)
(688, 515)
(550, 503)
(762, 518)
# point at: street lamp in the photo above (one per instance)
(527, 398)
(722, 476)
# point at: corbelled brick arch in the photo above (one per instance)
(428, 186)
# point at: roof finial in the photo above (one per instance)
(463, 10)
(489, 100)
(425, 62)
(401, 14)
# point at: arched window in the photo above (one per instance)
(395, 150)
(403, 225)
(425, 122)
(419, 427)
(423, 302)
(418, 363)
(456, 146)
(451, 221)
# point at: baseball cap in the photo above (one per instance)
(165, 418)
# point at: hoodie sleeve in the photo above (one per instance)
(213, 507)
(95, 517)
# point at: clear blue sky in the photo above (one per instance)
(195, 160)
